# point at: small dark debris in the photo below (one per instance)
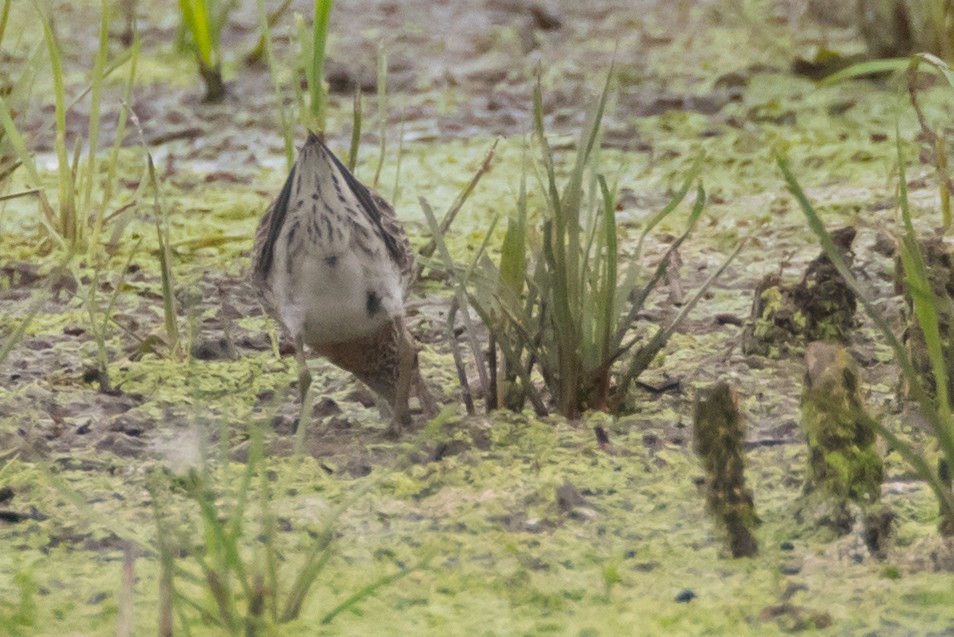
(97, 598)
(340, 423)
(652, 442)
(15, 516)
(686, 595)
(121, 445)
(215, 349)
(74, 330)
(257, 342)
(358, 467)
(362, 395)
(601, 436)
(630, 554)
(128, 425)
(885, 244)
(545, 17)
(786, 546)
(791, 569)
(879, 529)
(568, 497)
(6, 494)
(729, 319)
(448, 448)
(282, 424)
(325, 407)
(660, 385)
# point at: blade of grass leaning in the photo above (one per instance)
(165, 262)
(68, 226)
(316, 559)
(637, 302)
(17, 141)
(945, 183)
(397, 163)
(428, 249)
(466, 394)
(266, 22)
(513, 251)
(926, 307)
(14, 338)
(459, 293)
(867, 68)
(606, 299)
(113, 163)
(355, 129)
(365, 592)
(90, 174)
(4, 18)
(940, 428)
(563, 303)
(382, 112)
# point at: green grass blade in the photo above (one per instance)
(869, 67)
(195, 13)
(382, 112)
(90, 176)
(607, 299)
(4, 17)
(355, 130)
(316, 86)
(364, 593)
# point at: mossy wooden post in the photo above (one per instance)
(844, 465)
(718, 430)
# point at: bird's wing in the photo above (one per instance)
(377, 211)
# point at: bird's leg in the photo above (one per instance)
(304, 388)
(401, 413)
(428, 404)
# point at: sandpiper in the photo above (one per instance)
(334, 265)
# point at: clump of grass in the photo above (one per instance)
(928, 307)
(558, 303)
(75, 218)
(226, 580)
(203, 21)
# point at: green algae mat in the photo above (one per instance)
(146, 488)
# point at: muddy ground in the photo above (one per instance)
(479, 507)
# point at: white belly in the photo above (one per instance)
(326, 299)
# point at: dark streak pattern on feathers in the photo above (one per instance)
(275, 219)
